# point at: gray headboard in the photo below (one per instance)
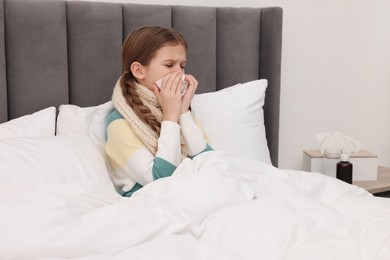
(58, 52)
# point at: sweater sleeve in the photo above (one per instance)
(168, 155)
(193, 135)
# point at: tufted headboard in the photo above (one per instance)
(55, 52)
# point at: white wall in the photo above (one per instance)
(335, 72)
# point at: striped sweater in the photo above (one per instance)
(134, 165)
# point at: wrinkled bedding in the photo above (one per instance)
(217, 206)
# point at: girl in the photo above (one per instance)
(151, 129)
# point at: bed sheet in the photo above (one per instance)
(217, 206)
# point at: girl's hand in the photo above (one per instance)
(187, 97)
(169, 96)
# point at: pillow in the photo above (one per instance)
(233, 119)
(71, 163)
(73, 120)
(41, 123)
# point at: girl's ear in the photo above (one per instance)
(137, 70)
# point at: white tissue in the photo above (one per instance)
(184, 84)
(338, 140)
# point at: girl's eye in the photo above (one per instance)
(169, 65)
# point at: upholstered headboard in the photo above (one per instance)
(58, 52)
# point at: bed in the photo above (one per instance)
(59, 61)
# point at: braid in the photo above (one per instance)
(132, 98)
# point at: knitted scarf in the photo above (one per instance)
(144, 132)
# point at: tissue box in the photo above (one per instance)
(365, 164)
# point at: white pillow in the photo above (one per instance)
(73, 120)
(41, 123)
(233, 119)
(71, 163)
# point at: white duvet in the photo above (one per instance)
(217, 206)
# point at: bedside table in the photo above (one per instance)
(382, 184)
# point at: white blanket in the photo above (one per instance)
(217, 206)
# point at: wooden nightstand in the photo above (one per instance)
(382, 184)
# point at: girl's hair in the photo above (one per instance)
(141, 45)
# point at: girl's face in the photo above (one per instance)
(168, 59)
